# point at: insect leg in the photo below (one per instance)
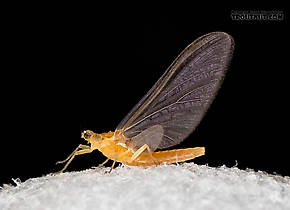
(139, 152)
(120, 156)
(111, 167)
(79, 152)
(103, 163)
(81, 146)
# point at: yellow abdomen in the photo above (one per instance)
(168, 156)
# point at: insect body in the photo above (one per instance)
(170, 111)
(121, 153)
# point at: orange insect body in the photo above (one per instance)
(114, 150)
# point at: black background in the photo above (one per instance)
(71, 68)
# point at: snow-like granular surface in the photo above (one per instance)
(185, 186)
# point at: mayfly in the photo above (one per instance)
(170, 111)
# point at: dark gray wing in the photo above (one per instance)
(182, 95)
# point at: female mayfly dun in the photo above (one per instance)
(170, 111)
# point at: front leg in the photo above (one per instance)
(84, 149)
(81, 146)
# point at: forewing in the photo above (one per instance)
(182, 95)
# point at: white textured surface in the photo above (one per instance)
(186, 186)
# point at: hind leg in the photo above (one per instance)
(139, 152)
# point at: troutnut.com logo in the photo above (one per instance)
(259, 15)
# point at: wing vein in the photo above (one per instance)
(168, 137)
(176, 102)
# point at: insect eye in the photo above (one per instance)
(87, 135)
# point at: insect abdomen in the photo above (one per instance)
(168, 156)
